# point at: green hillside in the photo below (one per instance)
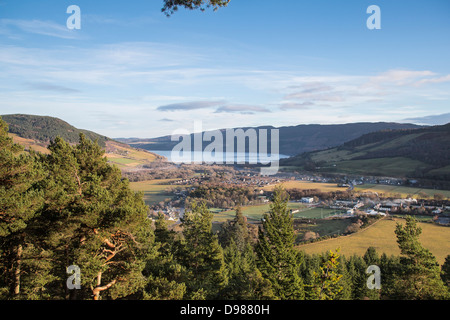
(293, 139)
(46, 129)
(416, 153)
(36, 132)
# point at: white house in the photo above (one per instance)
(307, 200)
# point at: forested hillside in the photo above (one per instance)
(46, 129)
(294, 140)
(413, 153)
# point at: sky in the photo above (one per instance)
(130, 71)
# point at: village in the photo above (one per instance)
(345, 204)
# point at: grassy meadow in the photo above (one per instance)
(154, 190)
(381, 236)
(306, 185)
(387, 190)
(403, 191)
(126, 157)
(255, 213)
(29, 144)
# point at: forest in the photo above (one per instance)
(70, 209)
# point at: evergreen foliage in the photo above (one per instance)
(71, 208)
(278, 260)
(420, 276)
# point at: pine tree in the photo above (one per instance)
(390, 269)
(345, 281)
(371, 256)
(310, 265)
(278, 260)
(245, 281)
(236, 229)
(327, 282)
(445, 272)
(201, 254)
(20, 199)
(95, 221)
(420, 273)
(164, 273)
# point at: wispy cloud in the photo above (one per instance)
(402, 78)
(296, 106)
(47, 28)
(50, 87)
(434, 80)
(168, 82)
(315, 91)
(193, 105)
(242, 109)
(166, 120)
(432, 119)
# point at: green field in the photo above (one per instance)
(255, 213)
(154, 190)
(381, 236)
(326, 227)
(122, 161)
(126, 157)
(380, 166)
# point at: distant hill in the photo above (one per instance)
(294, 140)
(36, 132)
(417, 153)
(45, 129)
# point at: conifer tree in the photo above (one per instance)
(390, 269)
(278, 260)
(236, 229)
(327, 282)
(164, 273)
(345, 281)
(445, 272)
(420, 273)
(95, 221)
(20, 199)
(200, 253)
(245, 281)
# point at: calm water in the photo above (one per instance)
(207, 157)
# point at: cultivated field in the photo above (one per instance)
(387, 190)
(381, 236)
(154, 190)
(306, 185)
(400, 190)
(29, 144)
(126, 157)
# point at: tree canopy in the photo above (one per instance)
(171, 6)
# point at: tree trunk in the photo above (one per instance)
(99, 288)
(17, 271)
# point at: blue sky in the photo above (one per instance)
(132, 72)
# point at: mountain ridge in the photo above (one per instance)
(422, 153)
(294, 140)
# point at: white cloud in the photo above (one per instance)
(242, 109)
(131, 80)
(434, 80)
(47, 28)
